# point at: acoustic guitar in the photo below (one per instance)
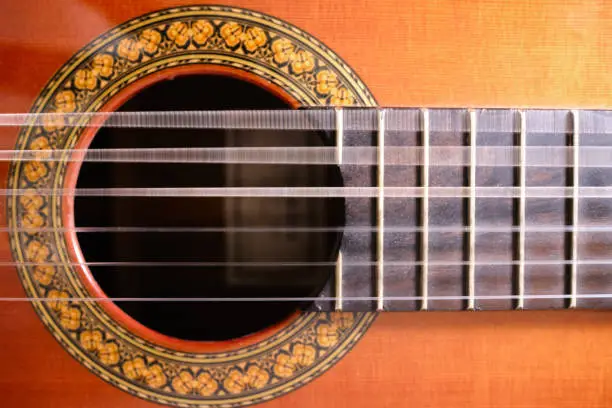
(305, 203)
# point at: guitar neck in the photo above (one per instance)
(504, 209)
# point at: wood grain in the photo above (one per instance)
(421, 53)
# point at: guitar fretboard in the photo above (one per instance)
(475, 251)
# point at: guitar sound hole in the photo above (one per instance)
(240, 231)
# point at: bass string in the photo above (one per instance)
(473, 192)
(301, 299)
(438, 156)
(347, 229)
(369, 264)
(354, 119)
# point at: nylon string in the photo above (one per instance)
(486, 156)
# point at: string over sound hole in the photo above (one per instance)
(235, 247)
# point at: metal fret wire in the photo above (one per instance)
(380, 214)
(339, 149)
(338, 304)
(425, 213)
(471, 276)
(575, 207)
(522, 220)
(338, 282)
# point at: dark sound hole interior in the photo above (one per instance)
(230, 222)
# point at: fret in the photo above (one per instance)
(520, 303)
(339, 135)
(339, 267)
(338, 292)
(575, 207)
(425, 212)
(380, 213)
(472, 215)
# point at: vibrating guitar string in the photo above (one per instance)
(340, 192)
(252, 264)
(439, 156)
(296, 299)
(486, 156)
(355, 119)
(347, 229)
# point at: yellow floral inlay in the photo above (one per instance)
(327, 335)
(44, 273)
(199, 31)
(85, 79)
(256, 377)
(283, 50)
(137, 370)
(284, 365)
(70, 318)
(254, 38)
(32, 217)
(40, 143)
(108, 353)
(302, 355)
(204, 384)
(36, 251)
(35, 170)
(231, 33)
(91, 340)
(150, 40)
(179, 32)
(61, 303)
(326, 82)
(341, 97)
(202, 30)
(342, 320)
(134, 369)
(103, 65)
(65, 102)
(302, 61)
(155, 376)
(31, 200)
(234, 382)
(129, 49)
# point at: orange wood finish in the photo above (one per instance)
(418, 53)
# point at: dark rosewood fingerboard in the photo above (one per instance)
(474, 252)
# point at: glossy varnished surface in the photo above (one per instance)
(422, 53)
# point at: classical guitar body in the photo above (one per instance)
(374, 277)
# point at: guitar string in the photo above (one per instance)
(439, 156)
(347, 229)
(362, 119)
(266, 191)
(253, 264)
(297, 298)
(338, 192)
